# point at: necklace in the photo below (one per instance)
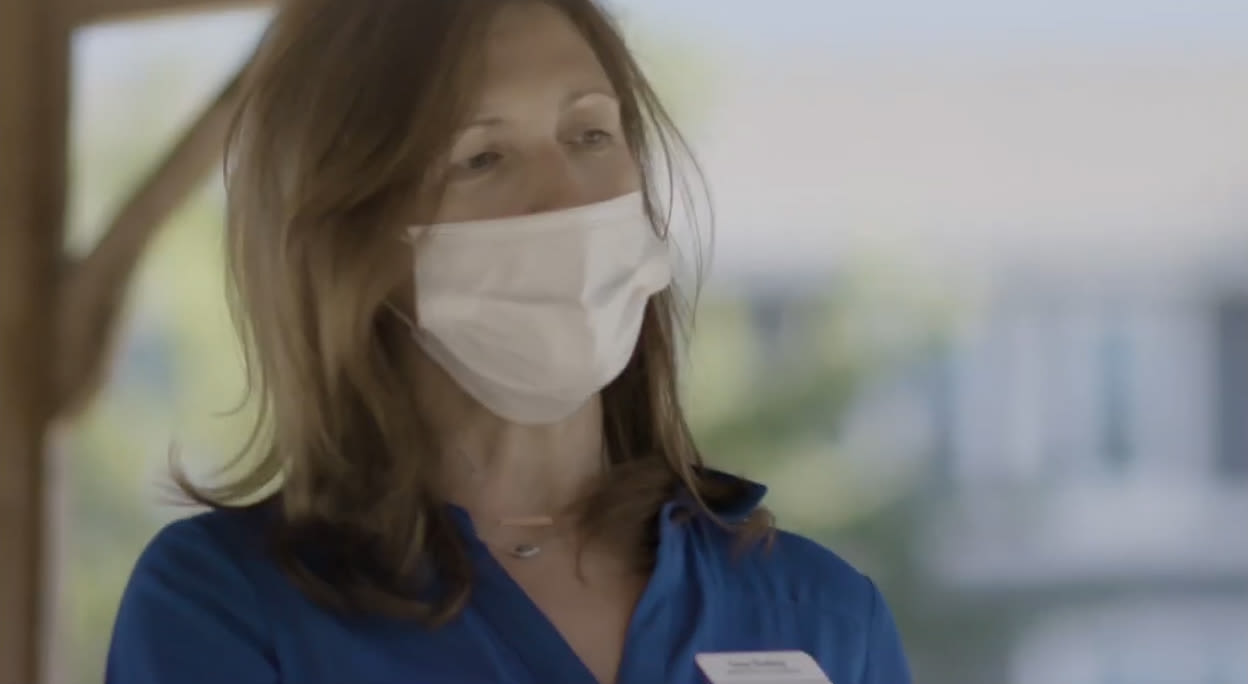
(526, 550)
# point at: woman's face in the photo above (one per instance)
(544, 133)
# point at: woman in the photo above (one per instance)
(456, 292)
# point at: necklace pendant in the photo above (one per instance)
(524, 551)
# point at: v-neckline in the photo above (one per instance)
(538, 643)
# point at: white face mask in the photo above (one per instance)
(533, 315)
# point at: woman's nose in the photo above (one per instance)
(554, 182)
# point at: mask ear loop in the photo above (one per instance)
(407, 319)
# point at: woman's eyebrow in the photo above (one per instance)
(578, 96)
(573, 99)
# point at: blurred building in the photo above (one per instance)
(1084, 427)
(1089, 486)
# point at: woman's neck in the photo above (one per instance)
(494, 468)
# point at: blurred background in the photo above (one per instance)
(977, 311)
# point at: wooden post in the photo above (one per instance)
(56, 317)
(34, 84)
(94, 287)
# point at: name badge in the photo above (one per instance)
(761, 667)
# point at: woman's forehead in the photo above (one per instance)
(531, 45)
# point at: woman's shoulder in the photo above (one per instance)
(192, 593)
(221, 540)
(815, 568)
(796, 567)
(782, 565)
(811, 597)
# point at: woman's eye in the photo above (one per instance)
(595, 137)
(483, 161)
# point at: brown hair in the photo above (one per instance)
(346, 108)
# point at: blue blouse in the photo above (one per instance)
(207, 605)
